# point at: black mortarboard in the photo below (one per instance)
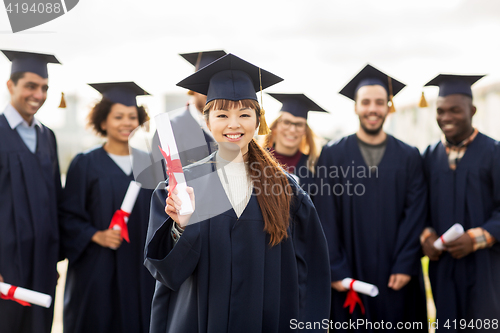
(201, 59)
(120, 92)
(368, 76)
(450, 84)
(229, 78)
(30, 62)
(297, 104)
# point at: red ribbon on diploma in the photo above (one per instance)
(10, 296)
(172, 166)
(119, 220)
(352, 299)
(442, 239)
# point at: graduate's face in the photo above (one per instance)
(290, 131)
(28, 95)
(371, 108)
(234, 126)
(454, 116)
(121, 121)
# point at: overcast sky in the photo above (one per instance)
(316, 46)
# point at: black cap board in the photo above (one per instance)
(30, 62)
(231, 78)
(298, 105)
(120, 92)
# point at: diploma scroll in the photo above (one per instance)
(131, 197)
(120, 218)
(450, 235)
(361, 287)
(174, 167)
(25, 295)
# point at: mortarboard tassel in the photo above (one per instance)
(190, 93)
(198, 61)
(392, 109)
(263, 128)
(423, 102)
(62, 105)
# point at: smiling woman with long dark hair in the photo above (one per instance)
(252, 257)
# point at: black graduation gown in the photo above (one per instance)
(106, 290)
(193, 144)
(30, 186)
(467, 288)
(373, 232)
(222, 275)
(306, 177)
(303, 175)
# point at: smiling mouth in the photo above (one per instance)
(34, 104)
(448, 127)
(373, 118)
(233, 137)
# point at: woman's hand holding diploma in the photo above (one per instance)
(173, 205)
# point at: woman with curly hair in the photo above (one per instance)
(252, 257)
(107, 288)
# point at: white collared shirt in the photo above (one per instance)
(26, 132)
(198, 116)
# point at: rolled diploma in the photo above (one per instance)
(27, 295)
(131, 196)
(450, 235)
(183, 195)
(361, 287)
(166, 136)
(129, 200)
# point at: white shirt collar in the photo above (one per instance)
(198, 116)
(14, 118)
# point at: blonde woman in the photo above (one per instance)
(291, 141)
